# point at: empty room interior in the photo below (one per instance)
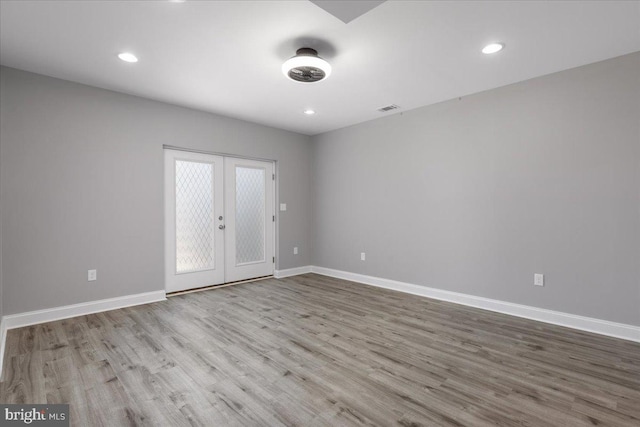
(319, 213)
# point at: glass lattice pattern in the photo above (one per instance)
(195, 225)
(250, 215)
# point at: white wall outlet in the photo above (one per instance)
(92, 275)
(363, 256)
(283, 207)
(295, 250)
(538, 279)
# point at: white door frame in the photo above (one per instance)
(169, 180)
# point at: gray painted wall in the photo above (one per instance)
(2, 120)
(471, 196)
(82, 187)
(476, 195)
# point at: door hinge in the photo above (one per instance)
(273, 176)
(274, 218)
(274, 260)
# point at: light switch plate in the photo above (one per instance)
(92, 275)
(538, 279)
(283, 207)
(363, 256)
(295, 250)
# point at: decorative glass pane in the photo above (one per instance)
(194, 216)
(250, 211)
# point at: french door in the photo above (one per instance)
(219, 219)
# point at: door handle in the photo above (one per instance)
(221, 227)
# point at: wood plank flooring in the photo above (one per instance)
(316, 351)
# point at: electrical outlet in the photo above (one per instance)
(92, 275)
(538, 279)
(295, 250)
(283, 207)
(363, 256)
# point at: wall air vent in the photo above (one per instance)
(388, 108)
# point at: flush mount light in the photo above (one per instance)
(492, 48)
(306, 67)
(309, 112)
(128, 57)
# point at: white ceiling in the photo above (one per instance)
(225, 56)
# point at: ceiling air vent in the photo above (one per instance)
(388, 108)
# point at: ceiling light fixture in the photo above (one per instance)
(128, 57)
(492, 48)
(306, 66)
(309, 112)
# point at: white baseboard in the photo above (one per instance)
(3, 340)
(603, 327)
(58, 313)
(29, 318)
(279, 274)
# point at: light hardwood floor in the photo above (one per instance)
(315, 351)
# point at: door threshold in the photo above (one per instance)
(222, 285)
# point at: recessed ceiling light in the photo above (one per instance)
(306, 67)
(128, 57)
(177, 1)
(492, 48)
(309, 112)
